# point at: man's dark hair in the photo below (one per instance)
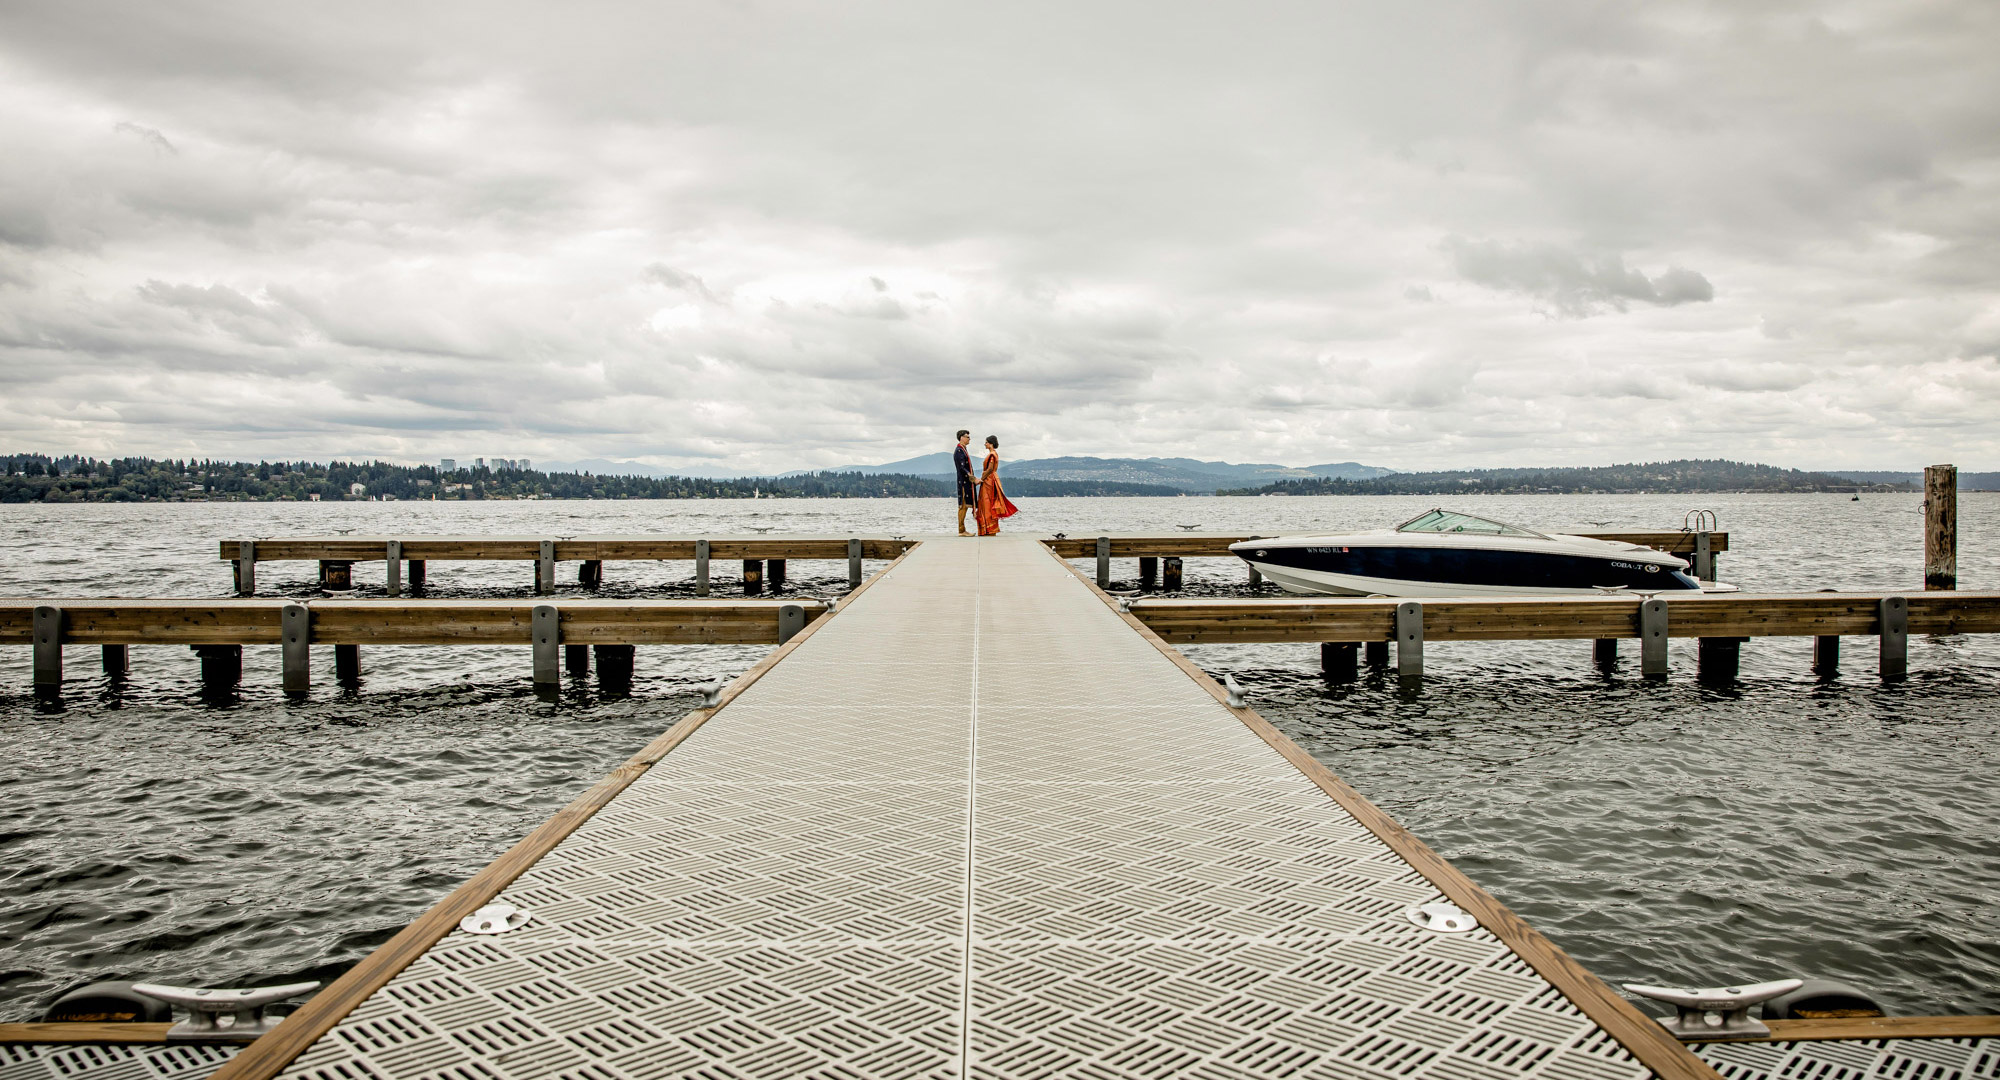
(993, 441)
(962, 433)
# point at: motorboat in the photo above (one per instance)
(1446, 553)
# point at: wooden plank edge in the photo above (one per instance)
(1643, 1036)
(87, 1032)
(269, 1055)
(1878, 1027)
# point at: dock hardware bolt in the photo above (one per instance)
(495, 918)
(1443, 917)
(1721, 1012)
(207, 1008)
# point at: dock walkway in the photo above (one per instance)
(976, 824)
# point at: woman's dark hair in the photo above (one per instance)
(993, 441)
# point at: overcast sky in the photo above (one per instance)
(759, 236)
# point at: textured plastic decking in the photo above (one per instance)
(974, 826)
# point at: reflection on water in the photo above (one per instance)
(1660, 831)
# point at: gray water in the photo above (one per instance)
(1659, 832)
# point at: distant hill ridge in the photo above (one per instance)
(1682, 476)
(1186, 474)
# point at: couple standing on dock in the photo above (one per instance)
(984, 496)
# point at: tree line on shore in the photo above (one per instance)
(44, 478)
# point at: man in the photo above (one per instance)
(968, 492)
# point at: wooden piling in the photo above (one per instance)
(1170, 576)
(1149, 572)
(1339, 661)
(1604, 653)
(753, 577)
(117, 661)
(1718, 659)
(590, 573)
(1377, 654)
(347, 664)
(221, 666)
(1826, 656)
(615, 664)
(416, 573)
(336, 575)
(1941, 527)
(576, 659)
(776, 574)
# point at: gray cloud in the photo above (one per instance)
(150, 136)
(1569, 285)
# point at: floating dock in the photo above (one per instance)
(977, 823)
(981, 821)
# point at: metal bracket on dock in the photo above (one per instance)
(393, 552)
(1235, 689)
(701, 568)
(1103, 562)
(545, 568)
(207, 1010)
(295, 635)
(1704, 556)
(495, 918)
(1409, 640)
(711, 694)
(791, 620)
(1894, 614)
(545, 630)
(246, 568)
(48, 645)
(853, 564)
(1722, 1012)
(1653, 636)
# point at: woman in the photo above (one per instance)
(993, 504)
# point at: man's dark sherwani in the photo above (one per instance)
(967, 491)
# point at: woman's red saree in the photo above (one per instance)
(993, 504)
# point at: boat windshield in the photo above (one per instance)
(1450, 521)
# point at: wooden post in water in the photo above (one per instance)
(1604, 653)
(576, 659)
(1339, 660)
(590, 573)
(1826, 656)
(416, 574)
(1718, 659)
(347, 664)
(777, 574)
(1149, 573)
(221, 666)
(753, 577)
(615, 663)
(336, 575)
(1941, 527)
(1170, 576)
(117, 661)
(1378, 654)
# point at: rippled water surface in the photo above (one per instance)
(1664, 832)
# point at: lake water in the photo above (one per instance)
(1660, 832)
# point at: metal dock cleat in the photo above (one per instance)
(711, 694)
(1442, 916)
(1235, 689)
(494, 918)
(223, 1015)
(1719, 1013)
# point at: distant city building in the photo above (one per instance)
(525, 465)
(479, 463)
(447, 464)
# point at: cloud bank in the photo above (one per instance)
(776, 235)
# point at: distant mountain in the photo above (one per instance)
(1967, 481)
(1184, 474)
(1685, 476)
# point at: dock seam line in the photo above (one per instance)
(971, 856)
(1643, 1037)
(271, 1053)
